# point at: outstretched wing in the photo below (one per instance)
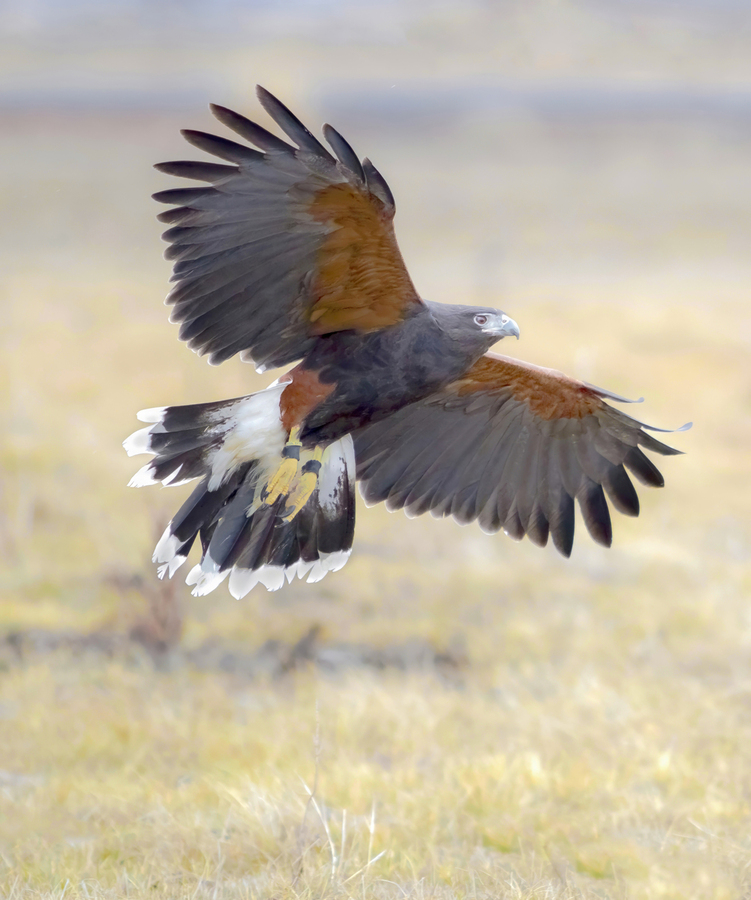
(283, 244)
(512, 445)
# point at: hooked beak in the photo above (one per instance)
(502, 326)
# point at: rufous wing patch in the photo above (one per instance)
(361, 281)
(548, 393)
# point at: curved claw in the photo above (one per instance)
(303, 487)
(281, 481)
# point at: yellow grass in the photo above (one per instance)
(553, 729)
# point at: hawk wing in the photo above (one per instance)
(512, 445)
(282, 245)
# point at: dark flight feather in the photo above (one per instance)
(256, 134)
(221, 147)
(347, 156)
(291, 125)
(198, 171)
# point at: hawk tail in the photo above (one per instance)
(246, 532)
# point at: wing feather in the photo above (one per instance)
(595, 511)
(377, 185)
(197, 171)
(538, 527)
(513, 446)
(318, 227)
(256, 134)
(621, 491)
(221, 147)
(508, 484)
(183, 196)
(291, 125)
(528, 480)
(346, 155)
(643, 468)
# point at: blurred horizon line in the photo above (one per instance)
(571, 98)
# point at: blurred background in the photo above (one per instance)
(494, 720)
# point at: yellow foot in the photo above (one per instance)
(281, 481)
(280, 484)
(304, 487)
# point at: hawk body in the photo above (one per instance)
(287, 253)
(374, 374)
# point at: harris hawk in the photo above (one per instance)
(286, 253)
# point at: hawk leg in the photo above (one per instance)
(291, 481)
(281, 481)
(303, 486)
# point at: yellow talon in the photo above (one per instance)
(281, 481)
(304, 486)
(299, 496)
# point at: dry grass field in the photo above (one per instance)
(473, 718)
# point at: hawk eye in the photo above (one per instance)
(481, 320)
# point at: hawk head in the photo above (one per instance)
(476, 328)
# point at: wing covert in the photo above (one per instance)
(284, 243)
(513, 446)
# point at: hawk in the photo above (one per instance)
(286, 253)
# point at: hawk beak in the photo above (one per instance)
(503, 326)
